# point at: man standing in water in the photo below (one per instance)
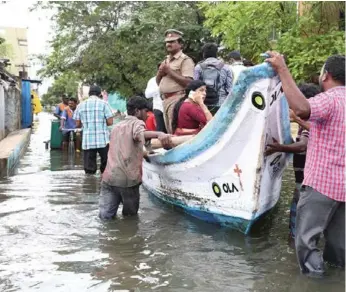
(68, 125)
(123, 174)
(61, 106)
(94, 115)
(321, 208)
(174, 74)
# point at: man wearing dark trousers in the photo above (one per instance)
(94, 115)
(321, 207)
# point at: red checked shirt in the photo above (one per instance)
(325, 162)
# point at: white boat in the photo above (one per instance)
(222, 174)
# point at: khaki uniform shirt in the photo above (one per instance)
(125, 155)
(183, 65)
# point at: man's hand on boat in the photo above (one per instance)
(276, 60)
(165, 139)
(273, 148)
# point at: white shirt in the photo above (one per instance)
(152, 91)
(236, 68)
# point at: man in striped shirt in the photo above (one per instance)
(94, 115)
(321, 208)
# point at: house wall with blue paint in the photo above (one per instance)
(26, 105)
(2, 111)
(12, 109)
(13, 139)
(10, 104)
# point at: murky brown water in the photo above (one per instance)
(52, 240)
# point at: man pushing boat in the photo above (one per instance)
(123, 174)
(321, 208)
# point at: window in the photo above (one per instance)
(22, 42)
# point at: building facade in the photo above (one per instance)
(16, 38)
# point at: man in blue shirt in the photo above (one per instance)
(68, 124)
(94, 115)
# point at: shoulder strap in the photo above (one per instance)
(203, 66)
(220, 65)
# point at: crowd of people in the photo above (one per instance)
(185, 98)
(181, 105)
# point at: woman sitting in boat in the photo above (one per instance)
(190, 113)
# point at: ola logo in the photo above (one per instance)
(216, 189)
(258, 101)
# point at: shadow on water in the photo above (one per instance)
(53, 240)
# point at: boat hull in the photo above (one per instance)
(236, 223)
(222, 175)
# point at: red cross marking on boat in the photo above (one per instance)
(237, 170)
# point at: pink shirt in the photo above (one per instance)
(125, 154)
(325, 162)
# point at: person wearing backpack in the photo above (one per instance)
(215, 75)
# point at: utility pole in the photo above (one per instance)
(23, 74)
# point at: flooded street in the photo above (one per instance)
(52, 238)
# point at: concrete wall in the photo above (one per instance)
(2, 111)
(12, 109)
(12, 149)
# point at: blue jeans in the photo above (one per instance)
(112, 196)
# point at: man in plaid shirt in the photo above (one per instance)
(321, 208)
(94, 115)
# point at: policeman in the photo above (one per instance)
(174, 74)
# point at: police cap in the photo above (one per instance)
(173, 35)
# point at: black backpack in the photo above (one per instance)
(210, 75)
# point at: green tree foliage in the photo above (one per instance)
(314, 38)
(66, 83)
(250, 27)
(119, 44)
(255, 27)
(6, 50)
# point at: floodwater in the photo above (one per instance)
(52, 240)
